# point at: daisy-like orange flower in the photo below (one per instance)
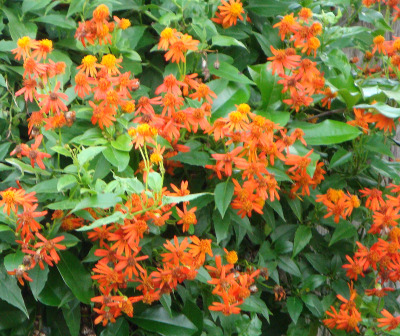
(203, 92)
(89, 65)
(50, 246)
(227, 308)
(110, 62)
(168, 37)
(388, 321)
(122, 23)
(12, 198)
(187, 217)
(199, 248)
(177, 51)
(287, 25)
(29, 89)
(42, 48)
(379, 45)
(281, 61)
(53, 101)
(34, 154)
(24, 47)
(20, 274)
(26, 222)
(229, 13)
(102, 115)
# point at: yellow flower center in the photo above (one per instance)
(379, 40)
(235, 117)
(236, 9)
(128, 107)
(244, 109)
(232, 257)
(9, 196)
(101, 12)
(124, 24)
(314, 43)
(288, 19)
(108, 61)
(23, 42)
(89, 61)
(189, 219)
(156, 158)
(46, 45)
(167, 33)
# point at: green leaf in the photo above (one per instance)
(117, 158)
(340, 157)
(76, 277)
(267, 83)
(155, 181)
(39, 278)
(288, 265)
(386, 110)
(61, 150)
(103, 201)
(25, 168)
(75, 6)
(194, 158)
(223, 195)
(226, 41)
(295, 205)
(55, 292)
(376, 18)
(344, 230)
(270, 8)
(17, 28)
(72, 316)
(4, 228)
(57, 20)
(123, 143)
(229, 72)
(63, 205)
(157, 319)
(45, 187)
(115, 217)
(295, 307)
(166, 303)
(257, 305)
(301, 239)
(89, 153)
(280, 118)
(29, 5)
(221, 225)
(179, 199)
(10, 292)
(327, 132)
(66, 181)
(228, 94)
(119, 328)
(13, 260)
(313, 304)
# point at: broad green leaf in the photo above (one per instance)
(119, 328)
(178, 199)
(123, 143)
(386, 110)
(341, 157)
(280, 118)
(45, 187)
(29, 5)
(115, 217)
(221, 225)
(327, 132)
(75, 7)
(288, 265)
(228, 94)
(267, 83)
(66, 181)
(57, 20)
(166, 303)
(25, 168)
(9, 290)
(301, 239)
(194, 158)
(103, 201)
(319, 262)
(223, 195)
(296, 206)
(295, 307)
(89, 153)
(63, 205)
(344, 230)
(313, 304)
(155, 181)
(226, 41)
(157, 319)
(4, 228)
(55, 292)
(75, 276)
(117, 158)
(61, 150)
(39, 278)
(257, 305)
(17, 28)
(13, 260)
(270, 8)
(72, 316)
(376, 18)
(229, 72)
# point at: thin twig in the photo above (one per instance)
(325, 114)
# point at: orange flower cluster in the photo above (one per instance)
(338, 203)
(258, 143)
(53, 111)
(348, 316)
(392, 6)
(382, 259)
(228, 13)
(36, 247)
(99, 29)
(300, 76)
(231, 286)
(177, 44)
(363, 119)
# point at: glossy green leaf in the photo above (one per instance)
(301, 239)
(270, 8)
(55, 292)
(57, 20)
(386, 110)
(194, 158)
(123, 143)
(179, 199)
(10, 292)
(119, 328)
(257, 305)
(288, 265)
(267, 83)
(226, 41)
(66, 181)
(221, 225)
(157, 319)
(103, 201)
(155, 181)
(295, 307)
(72, 316)
(223, 195)
(229, 72)
(76, 277)
(39, 278)
(344, 230)
(116, 217)
(89, 153)
(117, 158)
(327, 132)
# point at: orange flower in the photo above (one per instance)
(20, 274)
(122, 23)
(89, 65)
(361, 120)
(188, 217)
(12, 198)
(25, 45)
(110, 63)
(53, 101)
(281, 61)
(199, 249)
(229, 13)
(354, 268)
(42, 48)
(227, 308)
(287, 26)
(388, 321)
(50, 246)
(381, 122)
(103, 115)
(374, 200)
(177, 51)
(203, 92)
(379, 43)
(27, 223)
(168, 37)
(29, 89)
